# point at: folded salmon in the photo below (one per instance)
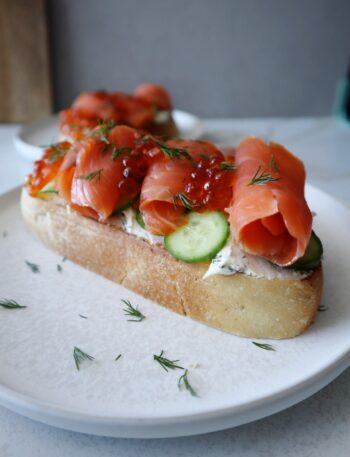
(138, 110)
(99, 179)
(162, 210)
(269, 216)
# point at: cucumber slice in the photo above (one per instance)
(200, 239)
(139, 219)
(48, 191)
(312, 257)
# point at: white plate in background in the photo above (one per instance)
(134, 397)
(32, 136)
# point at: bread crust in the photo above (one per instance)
(240, 304)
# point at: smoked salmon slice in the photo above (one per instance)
(95, 104)
(154, 94)
(97, 176)
(269, 216)
(135, 112)
(165, 179)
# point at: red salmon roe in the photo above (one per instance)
(46, 169)
(209, 187)
(134, 170)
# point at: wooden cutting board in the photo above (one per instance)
(25, 86)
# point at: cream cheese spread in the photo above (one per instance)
(130, 225)
(231, 259)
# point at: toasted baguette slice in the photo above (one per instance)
(241, 304)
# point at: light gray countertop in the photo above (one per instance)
(319, 426)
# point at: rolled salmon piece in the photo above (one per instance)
(269, 216)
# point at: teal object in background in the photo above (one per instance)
(342, 100)
(341, 108)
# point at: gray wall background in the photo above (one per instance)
(218, 58)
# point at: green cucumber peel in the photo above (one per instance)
(204, 235)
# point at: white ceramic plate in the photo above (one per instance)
(31, 137)
(236, 381)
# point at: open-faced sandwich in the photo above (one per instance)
(225, 240)
(148, 108)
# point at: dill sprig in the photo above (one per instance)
(183, 383)
(48, 191)
(10, 304)
(181, 198)
(94, 174)
(133, 312)
(116, 152)
(80, 356)
(118, 357)
(58, 151)
(262, 177)
(229, 166)
(172, 153)
(105, 128)
(166, 363)
(273, 164)
(265, 346)
(33, 266)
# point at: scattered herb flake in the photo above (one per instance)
(273, 164)
(94, 174)
(64, 259)
(105, 128)
(82, 316)
(118, 357)
(116, 152)
(10, 304)
(172, 153)
(183, 383)
(166, 363)
(265, 346)
(33, 266)
(59, 268)
(80, 356)
(58, 151)
(229, 166)
(185, 201)
(133, 312)
(48, 192)
(262, 177)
